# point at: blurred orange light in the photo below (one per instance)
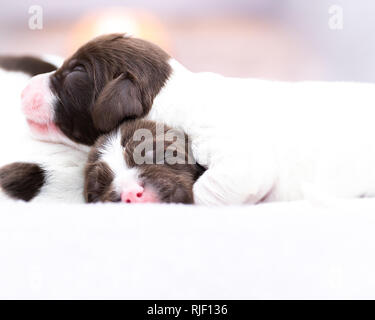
(138, 23)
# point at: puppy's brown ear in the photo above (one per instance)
(120, 99)
(98, 178)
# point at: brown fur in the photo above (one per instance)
(27, 64)
(172, 182)
(22, 180)
(98, 178)
(108, 80)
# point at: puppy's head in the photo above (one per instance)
(141, 162)
(110, 79)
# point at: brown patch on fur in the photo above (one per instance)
(22, 180)
(172, 185)
(108, 80)
(172, 182)
(184, 151)
(27, 64)
(98, 179)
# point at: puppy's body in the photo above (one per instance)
(260, 140)
(24, 161)
(270, 140)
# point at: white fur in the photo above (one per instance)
(273, 140)
(112, 153)
(63, 164)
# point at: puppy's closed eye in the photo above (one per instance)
(79, 68)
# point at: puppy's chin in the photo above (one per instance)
(43, 131)
(49, 132)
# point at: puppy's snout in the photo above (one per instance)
(133, 194)
(137, 193)
(37, 99)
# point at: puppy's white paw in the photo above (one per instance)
(223, 185)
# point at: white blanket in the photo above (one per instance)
(280, 250)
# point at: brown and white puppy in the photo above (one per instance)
(87, 95)
(141, 162)
(259, 140)
(32, 170)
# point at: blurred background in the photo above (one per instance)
(277, 39)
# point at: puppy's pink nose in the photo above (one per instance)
(133, 194)
(37, 99)
(31, 100)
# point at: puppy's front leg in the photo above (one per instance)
(235, 182)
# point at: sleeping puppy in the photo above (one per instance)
(260, 140)
(141, 162)
(54, 172)
(32, 170)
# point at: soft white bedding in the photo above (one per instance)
(280, 250)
